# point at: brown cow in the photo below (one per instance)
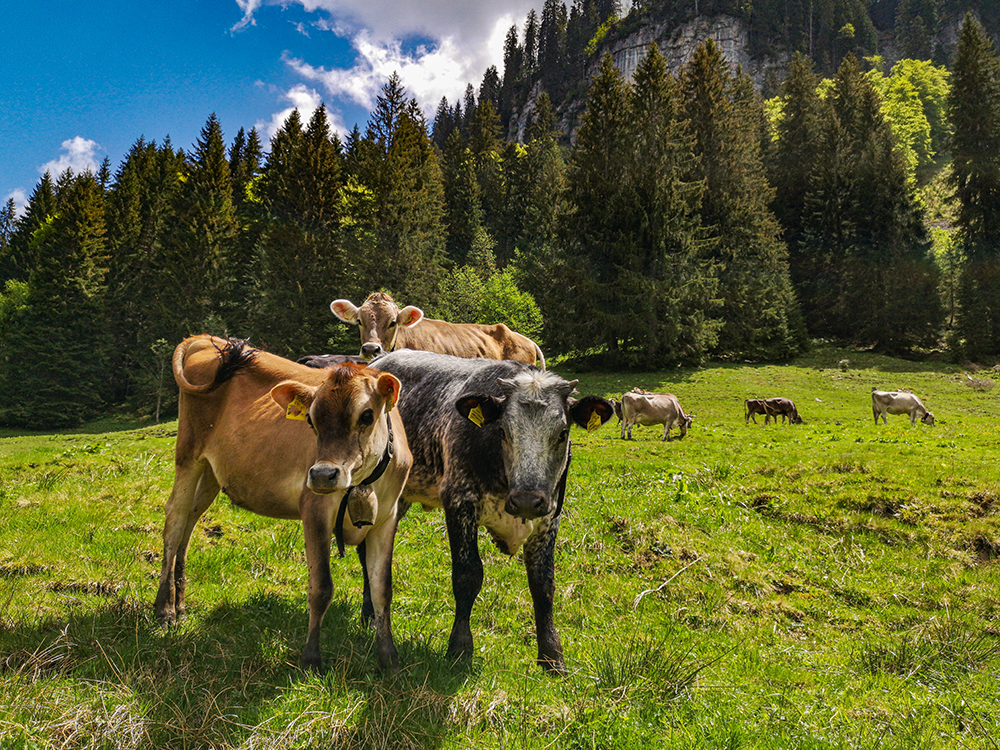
(385, 328)
(288, 441)
(752, 407)
(783, 407)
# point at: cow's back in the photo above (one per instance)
(468, 340)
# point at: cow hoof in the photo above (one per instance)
(553, 666)
(311, 663)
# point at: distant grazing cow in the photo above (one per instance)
(653, 408)
(899, 402)
(329, 360)
(385, 328)
(288, 441)
(491, 445)
(783, 407)
(752, 407)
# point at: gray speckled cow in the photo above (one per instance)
(490, 444)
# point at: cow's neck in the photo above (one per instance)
(377, 472)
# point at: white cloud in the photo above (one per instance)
(462, 39)
(81, 155)
(306, 101)
(249, 7)
(20, 200)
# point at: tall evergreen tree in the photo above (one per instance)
(974, 111)
(759, 313)
(865, 230)
(60, 336)
(40, 206)
(199, 246)
(300, 260)
(139, 217)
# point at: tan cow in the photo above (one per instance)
(385, 328)
(288, 441)
(653, 408)
(899, 402)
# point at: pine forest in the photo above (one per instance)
(686, 214)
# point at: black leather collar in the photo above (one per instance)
(377, 472)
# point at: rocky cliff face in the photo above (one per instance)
(677, 44)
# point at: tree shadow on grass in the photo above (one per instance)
(230, 678)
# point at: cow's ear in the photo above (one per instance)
(388, 387)
(590, 411)
(345, 310)
(480, 409)
(409, 316)
(295, 398)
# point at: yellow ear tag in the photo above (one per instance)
(296, 410)
(595, 421)
(476, 416)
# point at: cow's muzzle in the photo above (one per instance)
(521, 504)
(325, 478)
(370, 351)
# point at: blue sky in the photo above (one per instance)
(84, 80)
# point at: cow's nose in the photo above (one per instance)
(527, 504)
(368, 351)
(323, 477)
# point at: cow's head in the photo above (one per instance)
(347, 413)
(379, 320)
(533, 416)
(686, 421)
(928, 418)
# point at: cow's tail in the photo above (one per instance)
(538, 353)
(233, 355)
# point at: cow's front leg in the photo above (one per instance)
(462, 519)
(378, 564)
(317, 526)
(539, 561)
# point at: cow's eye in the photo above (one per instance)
(366, 418)
(392, 324)
(563, 435)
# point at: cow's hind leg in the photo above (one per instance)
(466, 571)
(378, 562)
(195, 487)
(539, 561)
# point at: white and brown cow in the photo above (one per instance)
(899, 402)
(288, 441)
(491, 446)
(386, 328)
(653, 408)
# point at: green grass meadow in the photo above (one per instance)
(828, 585)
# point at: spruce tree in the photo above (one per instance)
(974, 111)
(41, 205)
(759, 314)
(53, 362)
(300, 263)
(864, 226)
(200, 243)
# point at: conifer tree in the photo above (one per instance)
(396, 161)
(8, 219)
(40, 206)
(974, 111)
(461, 192)
(759, 313)
(300, 262)
(53, 362)
(865, 229)
(199, 247)
(139, 214)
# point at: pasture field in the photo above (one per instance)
(829, 585)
